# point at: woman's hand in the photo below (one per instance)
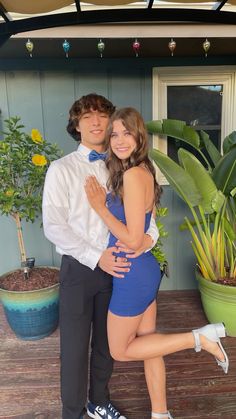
(132, 254)
(115, 266)
(96, 193)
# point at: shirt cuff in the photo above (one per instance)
(91, 259)
(153, 243)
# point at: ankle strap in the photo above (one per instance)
(162, 415)
(197, 340)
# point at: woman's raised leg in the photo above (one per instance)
(154, 368)
(125, 345)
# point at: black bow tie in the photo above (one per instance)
(94, 155)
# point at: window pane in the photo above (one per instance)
(199, 106)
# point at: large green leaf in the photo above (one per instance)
(233, 192)
(229, 142)
(191, 136)
(218, 201)
(210, 147)
(181, 181)
(224, 174)
(230, 230)
(154, 127)
(175, 129)
(201, 177)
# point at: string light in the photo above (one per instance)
(136, 47)
(101, 47)
(206, 46)
(29, 46)
(66, 47)
(172, 46)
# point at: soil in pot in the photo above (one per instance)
(227, 281)
(39, 277)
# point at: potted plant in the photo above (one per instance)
(157, 250)
(206, 181)
(29, 294)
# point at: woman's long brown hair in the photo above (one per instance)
(133, 122)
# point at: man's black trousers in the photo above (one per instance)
(84, 301)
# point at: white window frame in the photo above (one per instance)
(187, 76)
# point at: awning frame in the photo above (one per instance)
(123, 15)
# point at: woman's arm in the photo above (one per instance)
(134, 198)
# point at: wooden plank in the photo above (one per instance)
(196, 387)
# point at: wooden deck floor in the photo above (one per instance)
(197, 388)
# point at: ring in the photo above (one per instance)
(115, 258)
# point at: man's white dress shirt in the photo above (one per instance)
(68, 220)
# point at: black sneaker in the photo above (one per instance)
(103, 412)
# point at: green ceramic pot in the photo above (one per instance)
(32, 314)
(219, 303)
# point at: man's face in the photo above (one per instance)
(92, 127)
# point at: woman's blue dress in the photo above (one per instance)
(132, 294)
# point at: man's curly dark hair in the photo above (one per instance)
(83, 105)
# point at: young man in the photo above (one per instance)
(87, 265)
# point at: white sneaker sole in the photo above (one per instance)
(91, 415)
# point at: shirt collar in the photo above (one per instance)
(84, 150)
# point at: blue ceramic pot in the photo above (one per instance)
(32, 314)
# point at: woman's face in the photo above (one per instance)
(122, 141)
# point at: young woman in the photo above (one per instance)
(126, 211)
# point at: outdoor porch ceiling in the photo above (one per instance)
(29, 17)
(20, 16)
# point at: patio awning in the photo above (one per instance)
(26, 16)
(18, 15)
(45, 6)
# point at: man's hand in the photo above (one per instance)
(113, 264)
(131, 254)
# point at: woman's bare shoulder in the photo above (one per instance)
(136, 171)
(139, 173)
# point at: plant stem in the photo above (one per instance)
(17, 219)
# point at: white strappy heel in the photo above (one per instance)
(165, 415)
(212, 332)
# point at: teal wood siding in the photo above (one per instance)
(42, 99)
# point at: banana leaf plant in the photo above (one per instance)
(206, 181)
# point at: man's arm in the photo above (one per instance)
(55, 220)
(153, 232)
(58, 231)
